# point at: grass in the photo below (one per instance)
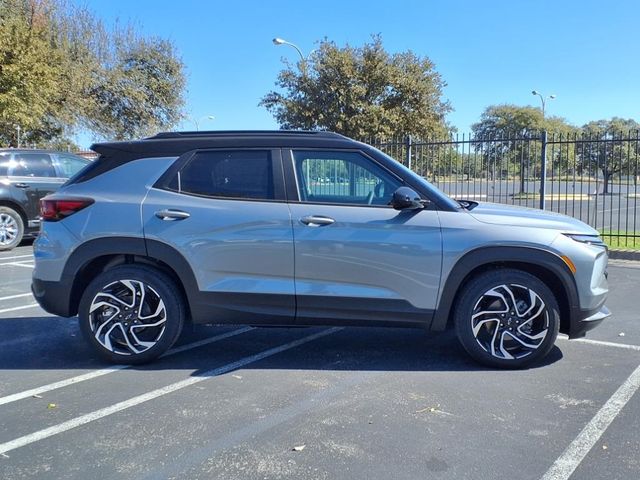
(621, 243)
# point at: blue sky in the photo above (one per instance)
(488, 52)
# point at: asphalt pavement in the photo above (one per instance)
(314, 403)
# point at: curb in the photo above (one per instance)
(624, 255)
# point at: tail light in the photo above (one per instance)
(52, 210)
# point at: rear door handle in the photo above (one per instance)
(317, 220)
(172, 215)
(21, 185)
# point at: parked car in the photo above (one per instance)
(25, 177)
(229, 227)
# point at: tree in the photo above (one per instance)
(136, 95)
(505, 126)
(617, 153)
(361, 92)
(29, 73)
(62, 69)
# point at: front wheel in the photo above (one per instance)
(507, 318)
(131, 314)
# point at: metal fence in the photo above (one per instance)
(592, 178)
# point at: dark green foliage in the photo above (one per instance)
(61, 69)
(361, 92)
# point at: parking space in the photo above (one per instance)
(237, 402)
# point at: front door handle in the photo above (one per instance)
(21, 185)
(172, 215)
(317, 220)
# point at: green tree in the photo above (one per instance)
(361, 92)
(505, 126)
(62, 69)
(136, 94)
(29, 72)
(617, 154)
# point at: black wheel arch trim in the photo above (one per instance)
(66, 301)
(501, 255)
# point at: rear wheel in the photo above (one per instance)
(11, 228)
(507, 318)
(131, 314)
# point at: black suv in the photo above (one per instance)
(25, 177)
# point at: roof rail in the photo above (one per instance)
(241, 133)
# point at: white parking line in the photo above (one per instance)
(14, 257)
(104, 371)
(564, 466)
(16, 264)
(601, 343)
(19, 295)
(21, 307)
(132, 402)
(608, 344)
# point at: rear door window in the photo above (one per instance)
(227, 174)
(31, 165)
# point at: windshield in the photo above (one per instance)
(433, 190)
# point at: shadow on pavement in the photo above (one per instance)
(34, 343)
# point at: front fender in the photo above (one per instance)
(486, 257)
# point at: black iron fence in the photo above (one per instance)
(592, 178)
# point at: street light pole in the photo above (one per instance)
(196, 121)
(18, 129)
(542, 99)
(279, 41)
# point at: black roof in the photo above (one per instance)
(176, 143)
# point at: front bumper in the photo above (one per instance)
(588, 320)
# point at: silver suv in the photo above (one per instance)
(303, 228)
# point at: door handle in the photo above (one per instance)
(317, 220)
(172, 215)
(21, 185)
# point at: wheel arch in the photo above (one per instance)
(544, 264)
(99, 255)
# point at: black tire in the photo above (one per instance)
(533, 317)
(10, 219)
(156, 290)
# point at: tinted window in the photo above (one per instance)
(69, 165)
(342, 177)
(4, 164)
(31, 165)
(235, 174)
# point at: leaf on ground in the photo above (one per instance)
(37, 396)
(429, 409)
(52, 405)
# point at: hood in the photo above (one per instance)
(500, 214)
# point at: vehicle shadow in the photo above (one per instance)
(40, 343)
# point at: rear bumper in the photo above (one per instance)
(53, 297)
(588, 320)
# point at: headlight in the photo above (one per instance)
(589, 239)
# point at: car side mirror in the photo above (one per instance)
(405, 198)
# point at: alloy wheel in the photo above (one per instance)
(127, 317)
(510, 321)
(8, 229)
